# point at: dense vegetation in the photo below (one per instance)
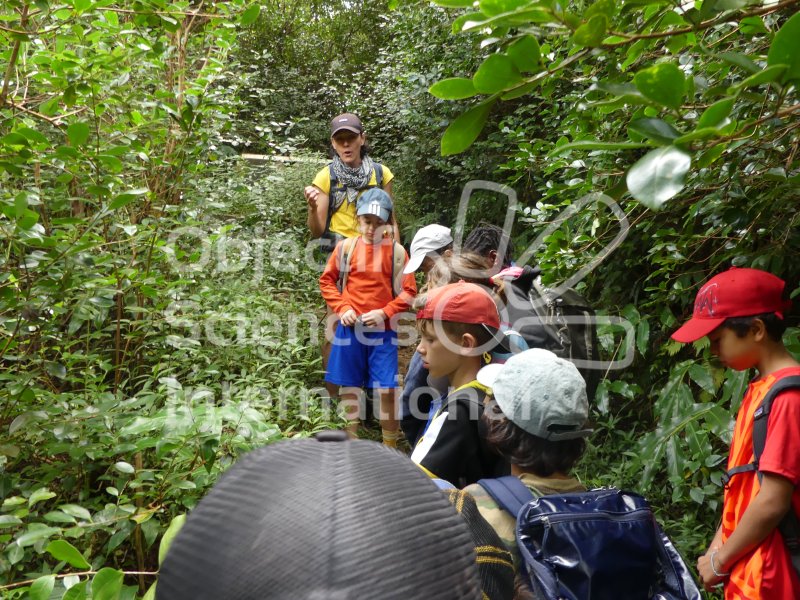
(158, 312)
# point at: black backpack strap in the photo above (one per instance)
(509, 493)
(760, 422)
(789, 525)
(378, 167)
(761, 416)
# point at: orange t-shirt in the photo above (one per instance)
(766, 573)
(369, 283)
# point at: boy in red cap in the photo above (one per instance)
(459, 325)
(741, 311)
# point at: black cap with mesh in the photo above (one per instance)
(322, 520)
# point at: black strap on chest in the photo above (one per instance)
(338, 191)
(789, 525)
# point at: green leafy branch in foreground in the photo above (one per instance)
(105, 584)
(699, 83)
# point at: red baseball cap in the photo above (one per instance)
(464, 303)
(461, 303)
(733, 293)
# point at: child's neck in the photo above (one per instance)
(466, 372)
(377, 241)
(774, 357)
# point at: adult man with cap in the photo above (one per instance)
(331, 198)
(330, 519)
(430, 242)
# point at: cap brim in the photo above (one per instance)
(499, 337)
(694, 329)
(488, 374)
(385, 215)
(345, 128)
(414, 263)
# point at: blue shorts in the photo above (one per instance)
(365, 359)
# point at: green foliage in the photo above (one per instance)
(157, 317)
(297, 64)
(131, 375)
(627, 43)
(93, 476)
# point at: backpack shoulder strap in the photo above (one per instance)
(335, 194)
(378, 167)
(345, 253)
(760, 422)
(398, 262)
(761, 416)
(509, 493)
(789, 525)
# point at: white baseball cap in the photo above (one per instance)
(428, 239)
(541, 393)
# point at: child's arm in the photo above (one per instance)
(331, 294)
(703, 561)
(403, 301)
(772, 502)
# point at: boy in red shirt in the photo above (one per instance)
(741, 311)
(364, 352)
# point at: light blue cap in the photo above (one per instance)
(375, 202)
(541, 393)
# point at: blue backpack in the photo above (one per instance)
(601, 544)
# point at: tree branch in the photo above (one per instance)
(11, 586)
(168, 13)
(700, 26)
(777, 115)
(13, 59)
(38, 115)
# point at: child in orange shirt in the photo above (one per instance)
(364, 352)
(741, 312)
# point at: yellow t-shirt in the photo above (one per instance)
(344, 221)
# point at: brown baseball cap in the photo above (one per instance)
(347, 121)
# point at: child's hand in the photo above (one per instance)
(373, 318)
(348, 317)
(707, 577)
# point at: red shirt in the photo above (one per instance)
(369, 283)
(766, 573)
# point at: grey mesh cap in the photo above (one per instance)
(541, 393)
(322, 520)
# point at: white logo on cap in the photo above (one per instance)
(343, 120)
(375, 208)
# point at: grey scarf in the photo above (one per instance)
(355, 179)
